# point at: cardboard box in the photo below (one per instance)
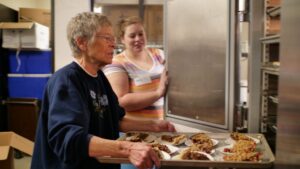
(25, 35)
(10, 141)
(22, 116)
(41, 16)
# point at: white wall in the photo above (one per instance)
(45, 4)
(64, 10)
(16, 4)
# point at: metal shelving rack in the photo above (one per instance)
(270, 66)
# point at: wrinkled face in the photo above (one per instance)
(134, 38)
(100, 50)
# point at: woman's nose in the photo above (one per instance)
(137, 38)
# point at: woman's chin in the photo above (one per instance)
(138, 49)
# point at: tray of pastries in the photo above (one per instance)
(237, 150)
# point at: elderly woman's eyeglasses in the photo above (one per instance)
(107, 38)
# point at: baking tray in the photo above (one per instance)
(266, 159)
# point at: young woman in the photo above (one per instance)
(137, 75)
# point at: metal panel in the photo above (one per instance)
(288, 133)
(197, 36)
(256, 32)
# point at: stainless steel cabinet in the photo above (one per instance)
(200, 59)
(270, 63)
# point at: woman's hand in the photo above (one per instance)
(162, 88)
(163, 126)
(142, 155)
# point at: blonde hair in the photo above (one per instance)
(84, 25)
(126, 22)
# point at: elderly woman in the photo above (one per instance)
(80, 116)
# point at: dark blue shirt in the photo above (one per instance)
(75, 107)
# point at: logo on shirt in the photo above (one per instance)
(93, 94)
(100, 103)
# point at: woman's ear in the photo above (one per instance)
(81, 43)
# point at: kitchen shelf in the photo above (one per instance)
(272, 3)
(272, 127)
(274, 12)
(269, 92)
(271, 39)
(270, 61)
(274, 99)
(271, 70)
(272, 17)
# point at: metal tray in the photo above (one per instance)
(267, 157)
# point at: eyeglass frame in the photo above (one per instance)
(107, 38)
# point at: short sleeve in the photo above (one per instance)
(162, 55)
(158, 54)
(115, 67)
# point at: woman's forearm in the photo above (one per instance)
(112, 148)
(137, 101)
